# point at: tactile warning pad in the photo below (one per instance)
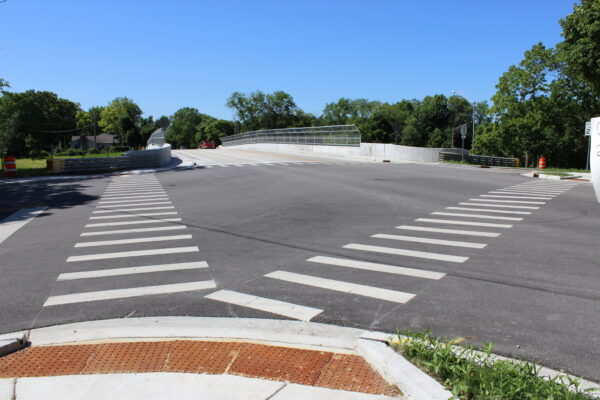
(306, 367)
(128, 357)
(201, 357)
(280, 363)
(350, 372)
(47, 361)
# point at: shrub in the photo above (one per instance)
(94, 151)
(38, 154)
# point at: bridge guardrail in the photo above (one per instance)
(335, 135)
(481, 160)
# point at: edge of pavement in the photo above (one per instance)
(371, 346)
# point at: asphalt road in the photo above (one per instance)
(242, 229)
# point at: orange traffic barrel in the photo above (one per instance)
(10, 166)
(542, 163)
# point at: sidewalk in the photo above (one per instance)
(209, 358)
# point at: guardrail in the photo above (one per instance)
(336, 135)
(481, 160)
(152, 158)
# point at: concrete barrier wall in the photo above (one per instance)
(371, 150)
(151, 158)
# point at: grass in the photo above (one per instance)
(546, 170)
(555, 173)
(477, 375)
(457, 162)
(27, 167)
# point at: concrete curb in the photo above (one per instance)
(535, 174)
(372, 346)
(10, 345)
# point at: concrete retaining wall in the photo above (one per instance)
(371, 150)
(151, 158)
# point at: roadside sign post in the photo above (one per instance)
(595, 155)
(588, 132)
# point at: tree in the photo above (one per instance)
(580, 50)
(184, 123)
(212, 130)
(3, 84)
(123, 117)
(31, 121)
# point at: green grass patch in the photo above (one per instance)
(29, 167)
(546, 170)
(477, 375)
(555, 173)
(457, 162)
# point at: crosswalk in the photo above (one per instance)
(125, 215)
(483, 207)
(149, 229)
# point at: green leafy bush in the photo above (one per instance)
(477, 375)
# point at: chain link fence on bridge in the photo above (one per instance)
(337, 135)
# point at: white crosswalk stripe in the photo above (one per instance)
(450, 231)
(137, 204)
(138, 198)
(136, 222)
(430, 241)
(132, 209)
(278, 307)
(164, 197)
(455, 222)
(525, 193)
(509, 201)
(516, 197)
(136, 230)
(405, 252)
(499, 205)
(131, 215)
(449, 214)
(133, 240)
(489, 210)
(369, 266)
(341, 286)
(130, 292)
(134, 253)
(101, 273)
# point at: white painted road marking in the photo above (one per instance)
(132, 209)
(145, 221)
(340, 286)
(138, 230)
(17, 220)
(499, 205)
(450, 231)
(407, 253)
(131, 292)
(136, 204)
(501, 191)
(449, 214)
(131, 215)
(138, 198)
(430, 241)
(290, 310)
(510, 201)
(135, 253)
(117, 196)
(488, 210)
(516, 197)
(369, 266)
(100, 273)
(134, 201)
(133, 240)
(454, 222)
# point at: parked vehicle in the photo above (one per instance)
(208, 145)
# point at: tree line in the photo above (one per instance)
(539, 108)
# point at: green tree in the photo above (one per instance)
(212, 130)
(184, 123)
(31, 121)
(580, 50)
(123, 117)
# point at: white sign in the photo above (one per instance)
(588, 128)
(595, 156)
(463, 131)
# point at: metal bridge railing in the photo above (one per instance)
(337, 135)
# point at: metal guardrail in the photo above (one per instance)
(336, 135)
(481, 160)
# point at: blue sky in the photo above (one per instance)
(170, 54)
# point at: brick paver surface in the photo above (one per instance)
(306, 367)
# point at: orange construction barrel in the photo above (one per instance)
(542, 163)
(10, 166)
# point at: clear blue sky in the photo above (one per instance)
(174, 53)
